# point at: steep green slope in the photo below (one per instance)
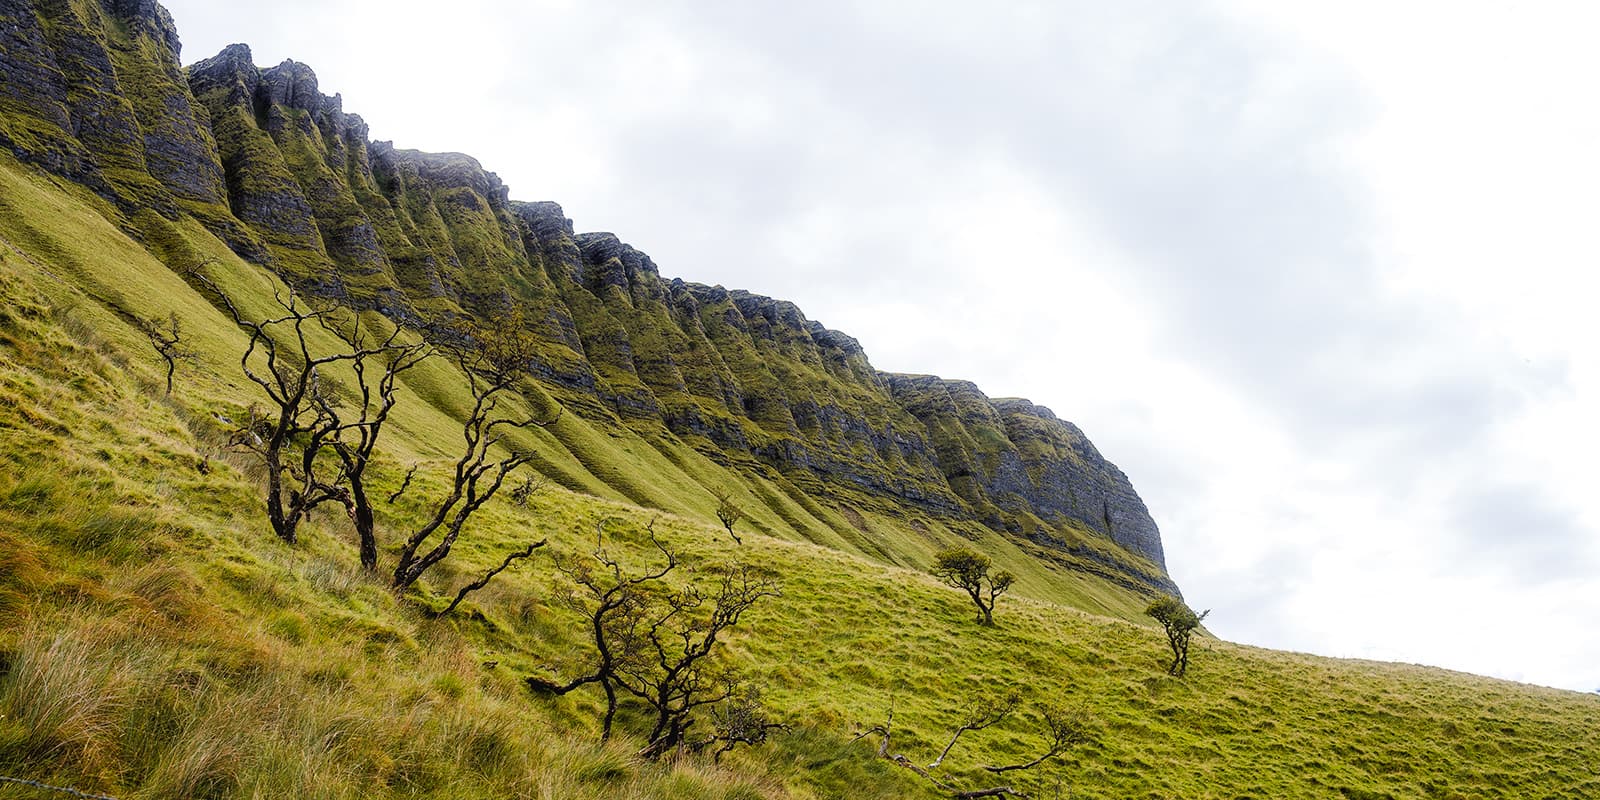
(159, 642)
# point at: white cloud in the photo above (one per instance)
(1318, 279)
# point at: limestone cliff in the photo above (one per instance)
(92, 91)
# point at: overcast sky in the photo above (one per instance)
(1320, 281)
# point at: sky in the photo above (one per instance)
(1318, 277)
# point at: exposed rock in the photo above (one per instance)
(149, 18)
(545, 219)
(1011, 456)
(178, 150)
(262, 192)
(35, 127)
(291, 85)
(289, 179)
(1067, 476)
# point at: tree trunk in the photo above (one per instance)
(611, 710)
(361, 515)
(283, 525)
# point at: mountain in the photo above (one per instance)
(277, 170)
(158, 641)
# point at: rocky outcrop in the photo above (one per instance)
(288, 179)
(93, 92)
(1064, 476)
(262, 192)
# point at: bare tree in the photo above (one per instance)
(614, 603)
(308, 417)
(728, 513)
(291, 433)
(493, 358)
(287, 445)
(674, 676)
(527, 489)
(354, 441)
(655, 643)
(1063, 729)
(168, 341)
(968, 570)
(1180, 622)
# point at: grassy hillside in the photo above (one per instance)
(157, 641)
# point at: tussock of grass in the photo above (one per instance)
(61, 697)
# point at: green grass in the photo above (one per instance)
(157, 641)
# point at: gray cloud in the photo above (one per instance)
(1519, 528)
(831, 153)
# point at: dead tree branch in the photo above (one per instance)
(885, 731)
(981, 713)
(301, 420)
(168, 343)
(404, 485)
(489, 576)
(493, 362)
(1063, 730)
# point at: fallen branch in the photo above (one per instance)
(1066, 728)
(981, 715)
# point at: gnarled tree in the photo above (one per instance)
(969, 571)
(741, 719)
(355, 439)
(1180, 622)
(614, 603)
(493, 358)
(728, 513)
(290, 434)
(674, 674)
(167, 339)
(656, 643)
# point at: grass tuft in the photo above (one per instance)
(61, 696)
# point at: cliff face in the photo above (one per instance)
(92, 91)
